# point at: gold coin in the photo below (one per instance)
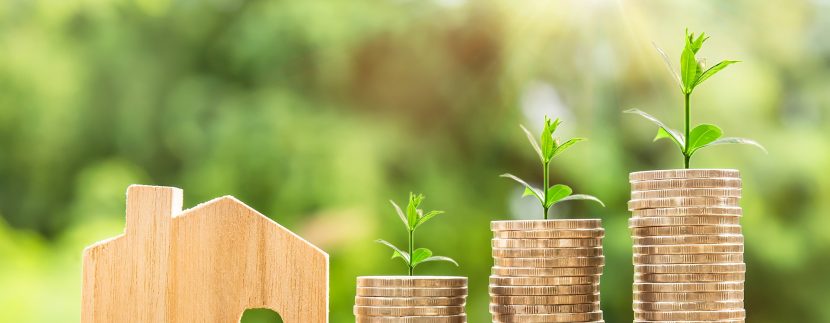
(718, 321)
(689, 297)
(683, 202)
(544, 280)
(687, 306)
(543, 309)
(691, 268)
(725, 239)
(411, 319)
(657, 221)
(683, 173)
(408, 292)
(547, 252)
(686, 230)
(686, 192)
(557, 271)
(688, 287)
(555, 317)
(701, 258)
(662, 184)
(689, 211)
(512, 225)
(691, 315)
(550, 234)
(543, 300)
(546, 243)
(411, 281)
(682, 278)
(408, 310)
(550, 262)
(544, 290)
(688, 249)
(410, 301)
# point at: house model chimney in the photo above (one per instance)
(150, 210)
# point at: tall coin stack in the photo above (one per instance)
(546, 271)
(411, 299)
(688, 246)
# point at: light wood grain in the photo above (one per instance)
(205, 264)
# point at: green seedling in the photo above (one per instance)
(692, 73)
(548, 148)
(413, 218)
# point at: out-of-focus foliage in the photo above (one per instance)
(318, 112)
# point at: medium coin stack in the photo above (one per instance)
(688, 246)
(411, 299)
(546, 271)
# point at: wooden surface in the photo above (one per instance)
(205, 264)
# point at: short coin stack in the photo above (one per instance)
(546, 271)
(688, 246)
(416, 299)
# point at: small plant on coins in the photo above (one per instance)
(692, 73)
(412, 219)
(548, 148)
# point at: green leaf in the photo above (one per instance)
(713, 70)
(548, 144)
(419, 255)
(556, 193)
(400, 213)
(527, 186)
(559, 149)
(736, 140)
(669, 65)
(688, 68)
(533, 143)
(412, 209)
(582, 197)
(440, 258)
(661, 133)
(553, 125)
(427, 217)
(396, 252)
(697, 43)
(673, 134)
(703, 135)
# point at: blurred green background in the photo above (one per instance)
(318, 112)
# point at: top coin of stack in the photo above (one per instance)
(688, 246)
(426, 299)
(546, 271)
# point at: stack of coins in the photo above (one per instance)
(688, 246)
(546, 271)
(405, 299)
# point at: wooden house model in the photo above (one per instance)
(205, 264)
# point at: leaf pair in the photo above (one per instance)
(692, 70)
(704, 135)
(550, 146)
(555, 194)
(419, 256)
(414, 217)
